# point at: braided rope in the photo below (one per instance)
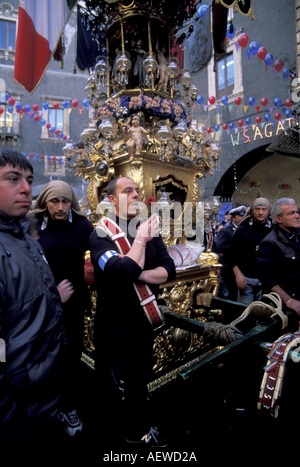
(225, 334)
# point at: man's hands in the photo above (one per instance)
(148, 229)
(65, 289)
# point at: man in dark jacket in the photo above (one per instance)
(31, 320)
(123, 334)
(63, 231)
(245, 241)
(278, 260)
(224, 239)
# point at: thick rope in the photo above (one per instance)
(222, 334)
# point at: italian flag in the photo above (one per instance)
(40, 25)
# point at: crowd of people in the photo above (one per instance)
(43, 297)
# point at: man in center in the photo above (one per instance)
(124, 334)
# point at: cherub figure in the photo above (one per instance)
(136, 132)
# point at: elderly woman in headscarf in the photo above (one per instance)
(245, 243)
(63, 232)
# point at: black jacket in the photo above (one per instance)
(117, 303)
(278, 262)
(31, 323)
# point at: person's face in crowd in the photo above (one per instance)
(260, 213)
(237, 219)
(126, 199)
(290, 218)
(59, 208)
(15, 191)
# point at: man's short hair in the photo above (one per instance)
(15, 159)
(276, 209)
(111, 187)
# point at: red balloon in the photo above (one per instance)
(264, 101)
(12, 101)
(258, 119)
(48, 125)
(55, 105)
(56, 131)
(278, 64)
(262, 52)
(240, 122)
(243, 39)
(208, 129)
(74, 103)
(35, 107)
(238, 100)
(288, 102)
(1, 110)
(36, 118)
(24, 110)
(277, 116)
(225, 126)
(65, 137)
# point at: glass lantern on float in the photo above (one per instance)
(101, 68)
(172, 71)
(123, 65)
(150, 66)
(164, 135)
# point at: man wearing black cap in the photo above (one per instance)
(223, 249)
(245, 241)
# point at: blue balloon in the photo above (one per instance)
(253, 47)
(27, 108)
(43, 121)
(286, 73)
(267, 117)
(52, 129)
(269, 59)
(248, 121)
(65, 104)
(200, 99)
(202, 10)
(217, 127)
(225, 100)
(288, 113)
(231, 125)
(10, 109)
(45, 105)
(85, 102)
(18, 105)
(277, 102)
(229, 34)
(251, 100)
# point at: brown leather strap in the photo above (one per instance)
(146, 297)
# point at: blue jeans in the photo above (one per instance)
(252, 293)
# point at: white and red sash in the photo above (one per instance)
(146, 297)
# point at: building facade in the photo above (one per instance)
(243, 100)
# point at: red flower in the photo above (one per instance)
(150, 200)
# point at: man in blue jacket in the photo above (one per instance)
(31, 320)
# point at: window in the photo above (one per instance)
(9, 119)
(7, 35)
(225, 76)
(55, 166)
(56, 119)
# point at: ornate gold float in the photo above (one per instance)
(141, 127)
